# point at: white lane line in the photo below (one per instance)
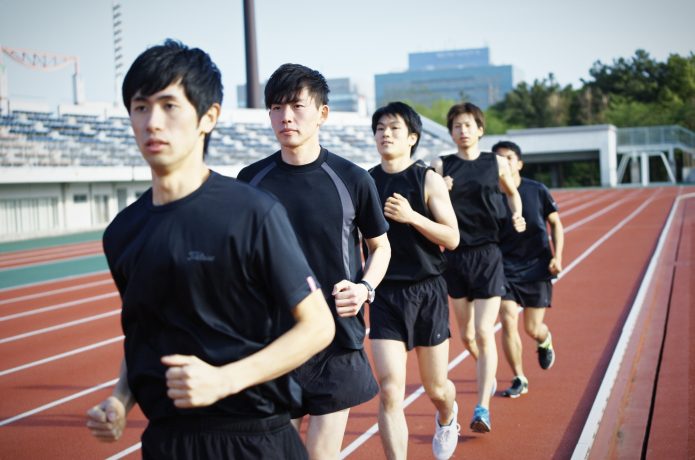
(58, 306)
(375, 428)
(61, 355)
(55, 280)
(354, 445)
(593, 421)
(589, 203)
(55, 291)
(58, 402)
(51, 262)
(123, 453)
(20, 261)
(610, 233)
(48, 250)
(595, 215)
(60, 326)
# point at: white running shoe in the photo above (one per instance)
(446, 437)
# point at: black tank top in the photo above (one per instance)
(476, 197)
(413, 257)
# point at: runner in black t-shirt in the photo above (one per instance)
(330, 202)
(411, 308)
(219, 303)
(529, 265)
(475, 276)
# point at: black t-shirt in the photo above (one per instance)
(527, 254)
(476, 197)
(215, 274)
(329, 202)
(413, 256)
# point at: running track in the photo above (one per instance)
(621, 325)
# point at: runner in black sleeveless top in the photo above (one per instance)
(411, 309)
(475, 275)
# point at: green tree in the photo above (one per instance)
(543, 104)
(437, 111)
(641, 91)
(639, 78)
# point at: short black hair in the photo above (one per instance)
(465, 107)
(408, 114)
(509, 145)
(162, 65)
(288, 81)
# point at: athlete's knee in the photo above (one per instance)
(536, 331)
(509, 315)
(509, 325)
(484, 338)
(438, 391)
(469, 342)
(391, 395)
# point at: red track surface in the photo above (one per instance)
(26, 258)
(62, 339)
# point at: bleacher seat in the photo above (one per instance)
(48, 139)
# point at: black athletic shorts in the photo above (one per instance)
(475, 273)
(534, 294)
(416, 314)
(189, 437)
(334, 379)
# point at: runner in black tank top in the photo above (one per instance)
(411, 309)
(475, 275)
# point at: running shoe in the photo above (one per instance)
(481, 420)
(519, 387)
(546, 354)
(446, 437)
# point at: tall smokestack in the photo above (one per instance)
(253, 99)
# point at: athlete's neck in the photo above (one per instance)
(397, 164)
(469, 153)
(301, 155)
(172, 186)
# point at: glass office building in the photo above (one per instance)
(343, 96)
(456, 75)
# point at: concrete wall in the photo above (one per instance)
(601, 139)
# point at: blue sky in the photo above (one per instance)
(356, 38)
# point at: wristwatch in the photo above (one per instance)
(371, 293)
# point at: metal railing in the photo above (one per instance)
(674, 135)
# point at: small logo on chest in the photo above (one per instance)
(199, 256)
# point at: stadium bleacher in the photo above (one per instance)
(36, 138)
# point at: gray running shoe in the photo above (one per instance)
(519, 387)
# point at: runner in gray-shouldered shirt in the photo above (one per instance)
(330, 201)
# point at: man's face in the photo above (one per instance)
(515, 164)
(392, 137)
(465, 132)
(166, 128)
(297, 123)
